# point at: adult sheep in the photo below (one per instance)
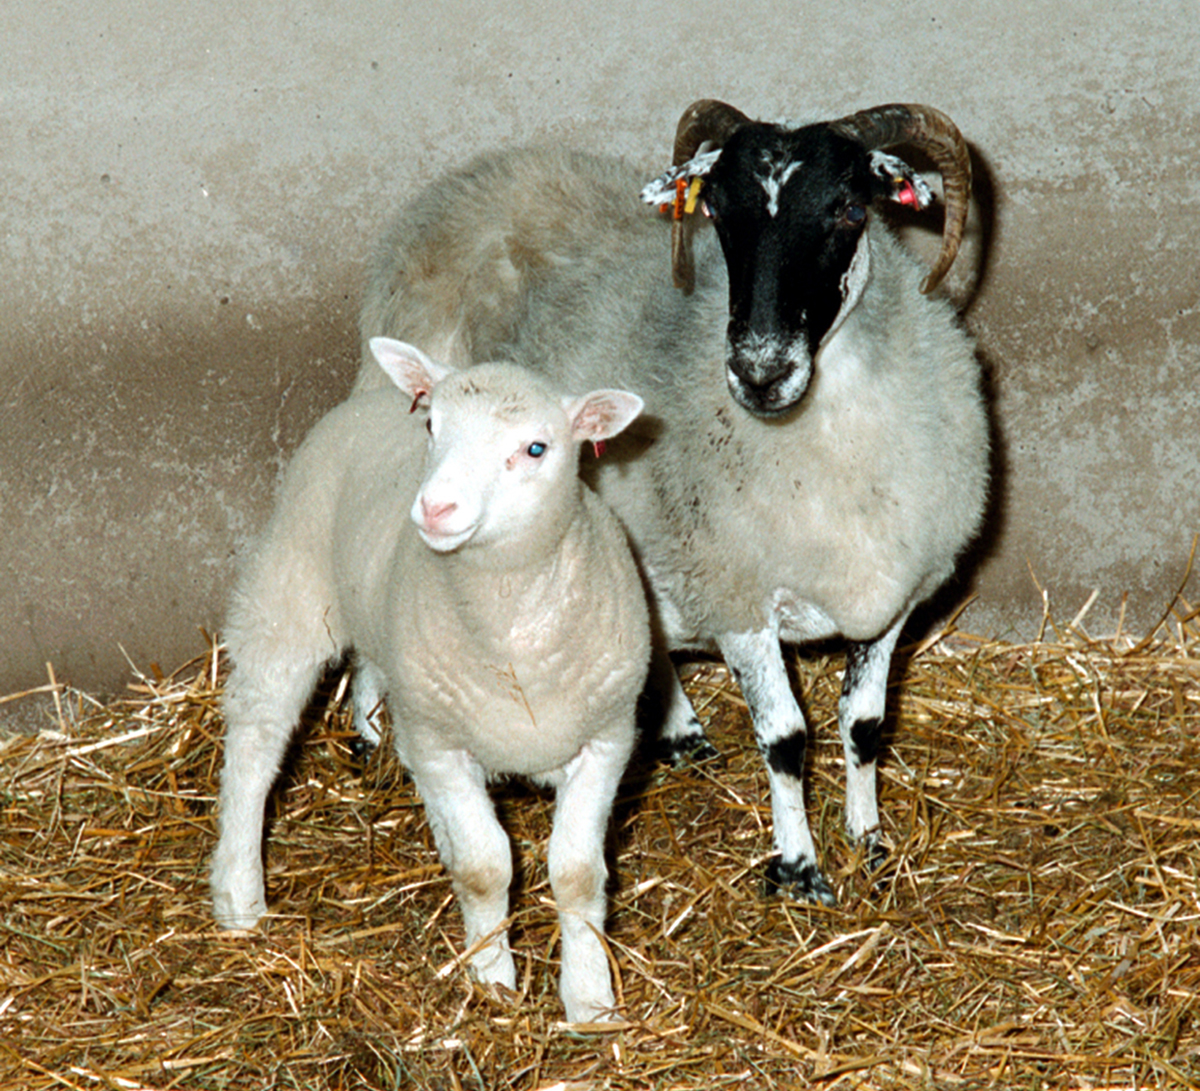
(493, 595)
(815, 452)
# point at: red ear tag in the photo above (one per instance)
(598, 448)
(417, 400)
(906, 194)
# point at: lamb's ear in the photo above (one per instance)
(905, 186)
(407, 366)
(601, 414)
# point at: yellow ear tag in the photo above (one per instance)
(693, 195)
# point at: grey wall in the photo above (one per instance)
(188, 197)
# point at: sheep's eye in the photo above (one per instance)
(429, 425)
(854, 215)
(536, 449)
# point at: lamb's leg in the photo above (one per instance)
(578, 874)
(682, 738)
(475, 851)
(367, 691)
(264, 698)
(756, 661)
(860, 722)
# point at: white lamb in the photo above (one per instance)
(501, 610)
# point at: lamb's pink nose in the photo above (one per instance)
(432, 513)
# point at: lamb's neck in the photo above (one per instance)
(498, 585)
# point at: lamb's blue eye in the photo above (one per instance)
(535, 450)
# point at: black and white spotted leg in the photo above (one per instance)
(682, 740)
(860, 721)
(756, 661)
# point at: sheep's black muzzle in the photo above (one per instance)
(768, 377)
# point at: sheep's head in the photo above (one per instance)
(791, 208)
(501, 465)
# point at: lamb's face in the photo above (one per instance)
(501, 468)
(499, 452)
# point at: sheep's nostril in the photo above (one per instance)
(433, 513)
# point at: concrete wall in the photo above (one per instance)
(189, 194)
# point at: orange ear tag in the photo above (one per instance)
(680, 198)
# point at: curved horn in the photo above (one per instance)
(706, 121)
(935, 134)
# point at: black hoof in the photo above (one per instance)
(799, 881)
(361, 748)
(875, 858)
(875, 852)
(688, 750)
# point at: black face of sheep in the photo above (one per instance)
(790, 209)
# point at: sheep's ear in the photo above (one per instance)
(903, 184)
(663, 190)
(601, 414)
(407, 366)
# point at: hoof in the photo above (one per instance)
(237, 917)
(688, 750)
(875, 858)
(875, 852)
(799, 881)
(361, 748)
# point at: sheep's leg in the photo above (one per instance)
(367, 691)
(263, 702)
(860, 721)
(578, 874)
(756, 661)
(476, 852)
(682, 738)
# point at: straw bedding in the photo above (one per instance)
(1038, 925)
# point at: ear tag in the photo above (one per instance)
(598, 448)
(687, 194)
(906, 193)
(417, 400)
(677, 209)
